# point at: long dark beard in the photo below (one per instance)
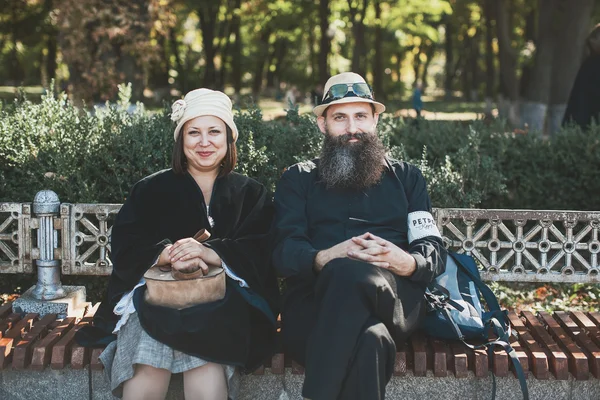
(346, 165)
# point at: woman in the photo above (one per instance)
(156, 226)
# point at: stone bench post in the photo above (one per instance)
(46, 206)
(49, 296)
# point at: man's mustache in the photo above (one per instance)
(345, 138)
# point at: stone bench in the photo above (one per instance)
(559, 351)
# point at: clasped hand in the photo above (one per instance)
(372, 249)
(188, 255)
(383, 253)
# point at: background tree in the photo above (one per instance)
(561, 28)
(325, 43)
(112, 45)
(520, 53)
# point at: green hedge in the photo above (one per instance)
(561, 173)
(88, 157)
(96, 157)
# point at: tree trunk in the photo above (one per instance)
(263, 51)
(399, 56)
(474, 67)
(208, 11)
(15, 69)
(490, 72)
(182, 73)
(449, 50)
(52, 47)
(378, 72)
(531, 35)
(359, 52)
(429, 53)
(466, 68)
(311, 52)
(417, 66)
(158, 78)
(236, 56)
(279, 52)
(325, 41)
(225, 56)
(129, 64)
(51, 65)
(575, 25)
(509, 84)
(537, 78)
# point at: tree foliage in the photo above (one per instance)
(106, 43)
(468, 48)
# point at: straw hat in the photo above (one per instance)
(350, 97)
(200, 102)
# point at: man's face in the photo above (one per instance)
(348, 119)
(352, 154)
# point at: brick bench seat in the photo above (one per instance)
(563, 346)
(559, 351)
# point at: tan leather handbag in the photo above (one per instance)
(176, 289)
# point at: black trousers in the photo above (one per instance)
(344, 328)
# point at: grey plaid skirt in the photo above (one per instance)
(135, 346)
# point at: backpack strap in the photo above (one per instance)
(511, 353)
(498, 323)
(501, 328)
(497, 326)
(486, 292)
(442, 295)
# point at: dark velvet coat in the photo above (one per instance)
(166, 207)
(584, 100)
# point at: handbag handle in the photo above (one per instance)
(201, 236)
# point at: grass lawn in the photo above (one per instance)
(272, 109)
(8, 93)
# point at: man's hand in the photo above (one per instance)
(384, 254)
(188, 249)
(341, 250)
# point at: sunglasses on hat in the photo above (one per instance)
(340, 90)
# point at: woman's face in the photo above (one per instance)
(204, 143)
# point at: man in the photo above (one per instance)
(357, 245)
(417, 100)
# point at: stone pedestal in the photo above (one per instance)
(72, 305)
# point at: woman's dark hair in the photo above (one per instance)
(179, 161)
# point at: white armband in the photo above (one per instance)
(421, 224)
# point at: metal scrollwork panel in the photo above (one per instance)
(15, 238)
(523, 245)
(86, 247)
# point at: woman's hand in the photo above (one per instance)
(384, 254)
(188, 249)
(190, 265)
(165, 257)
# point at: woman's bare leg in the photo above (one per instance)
(147, 383)
(207, 382)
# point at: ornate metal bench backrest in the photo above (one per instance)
(510, 245)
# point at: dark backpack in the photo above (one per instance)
(455, 311)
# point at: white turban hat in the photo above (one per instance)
(200, 102)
